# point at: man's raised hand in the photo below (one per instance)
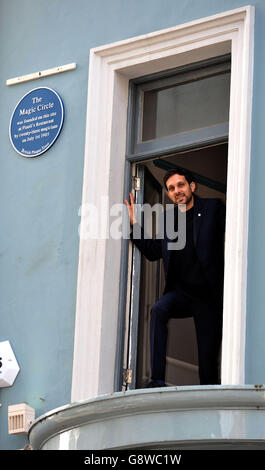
(131, 209)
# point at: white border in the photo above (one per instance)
(110, 69)
(59, 130)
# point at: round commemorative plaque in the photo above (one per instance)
(36, 122)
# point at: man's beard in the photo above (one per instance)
(184, 199)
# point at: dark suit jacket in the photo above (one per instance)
(208, 233)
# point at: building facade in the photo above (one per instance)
(73, 304)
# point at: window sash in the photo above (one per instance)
(184, 140)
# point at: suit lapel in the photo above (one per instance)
(197, 219)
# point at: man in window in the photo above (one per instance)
(193, 275)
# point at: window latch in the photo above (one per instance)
(136, 183)
(127, 376)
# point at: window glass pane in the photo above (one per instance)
(180, 108)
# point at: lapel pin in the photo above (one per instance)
(199, 215)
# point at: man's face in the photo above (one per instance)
(180, 191)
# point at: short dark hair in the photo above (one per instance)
(178, 171)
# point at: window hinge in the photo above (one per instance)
(136, 183)
(127, 376)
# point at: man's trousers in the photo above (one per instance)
(208, 325)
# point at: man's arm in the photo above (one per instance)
(151, 249)
(221, 212)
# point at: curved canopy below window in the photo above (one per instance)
(201, 417)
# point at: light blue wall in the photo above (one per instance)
(40, 197)
(255, 346)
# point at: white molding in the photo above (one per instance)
(110, 69)
(178, 364)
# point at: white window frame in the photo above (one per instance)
(110, 69)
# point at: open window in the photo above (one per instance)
(176, 120)
(103, 304)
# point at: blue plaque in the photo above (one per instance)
(36, 122)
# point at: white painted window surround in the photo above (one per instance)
(110, 69)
